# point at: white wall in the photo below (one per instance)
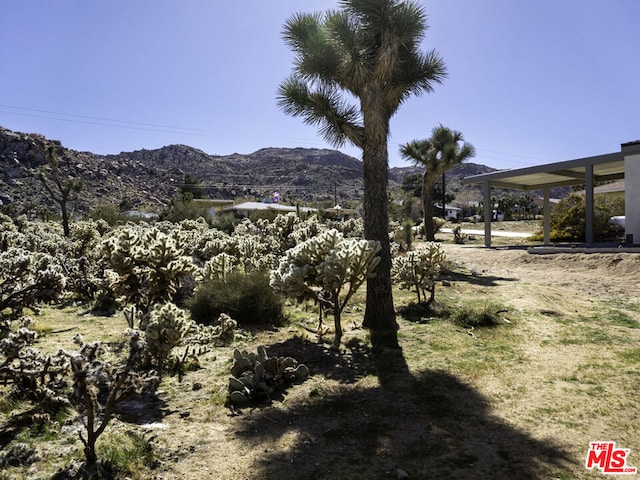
(632, 195)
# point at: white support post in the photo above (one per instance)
(631, 153)
(488, 213)
(546, 217)
(589, 203)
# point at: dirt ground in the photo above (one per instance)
(365, 416)
(519, 401)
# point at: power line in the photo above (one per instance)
(128, 125)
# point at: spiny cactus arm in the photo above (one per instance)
(362, 266)
(112, 400)
(294, 282)
(218, 266)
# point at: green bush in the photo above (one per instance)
(183, 207)
(109, 213)
(568, 224)
(248, 299)
(475, 316)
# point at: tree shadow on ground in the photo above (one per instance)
(420, 312)
(346, 366)
(14, 425)
(431, 425)
(142, 409)
(474, 278)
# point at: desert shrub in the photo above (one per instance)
(183, 207)
(109, 213)
(257, 215)
(568, 223)
(124, 455)
(473, 316)
(225, 222)
(458, 236)
(248, 299)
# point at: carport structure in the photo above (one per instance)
(582, 171)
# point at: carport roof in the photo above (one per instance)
(606, 167)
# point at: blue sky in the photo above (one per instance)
(529, 82)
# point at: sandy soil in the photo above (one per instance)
(363, 418)
(523, 402)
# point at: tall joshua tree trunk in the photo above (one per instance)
(379, 317)
(427, 208)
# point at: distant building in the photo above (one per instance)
(140, 215)
(246, 208)
(451, 212)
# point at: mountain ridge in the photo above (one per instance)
(150, 178)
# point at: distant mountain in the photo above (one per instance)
(150, 178)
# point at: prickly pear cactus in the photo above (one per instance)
(255, 376)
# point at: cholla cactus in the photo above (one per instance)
(323, 267)
(221, 332)
(308, 229)
(98, 386)
(255, 253)
(85, 236)
(224, 329)
(255, 376)
(150, 266)
(352, 227)
(27, 279)
(419, 269)
(218, 267)
(211, 243)
(168, 325)
(32, 375)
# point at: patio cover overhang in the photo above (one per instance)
(582, 171)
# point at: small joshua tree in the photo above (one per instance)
(419, 269)
(328, 269)
(62, 191)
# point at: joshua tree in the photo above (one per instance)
(437, 154)
(367, 50)
(63, 192)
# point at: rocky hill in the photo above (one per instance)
(150, 178)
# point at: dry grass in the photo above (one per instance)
(521, 399)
